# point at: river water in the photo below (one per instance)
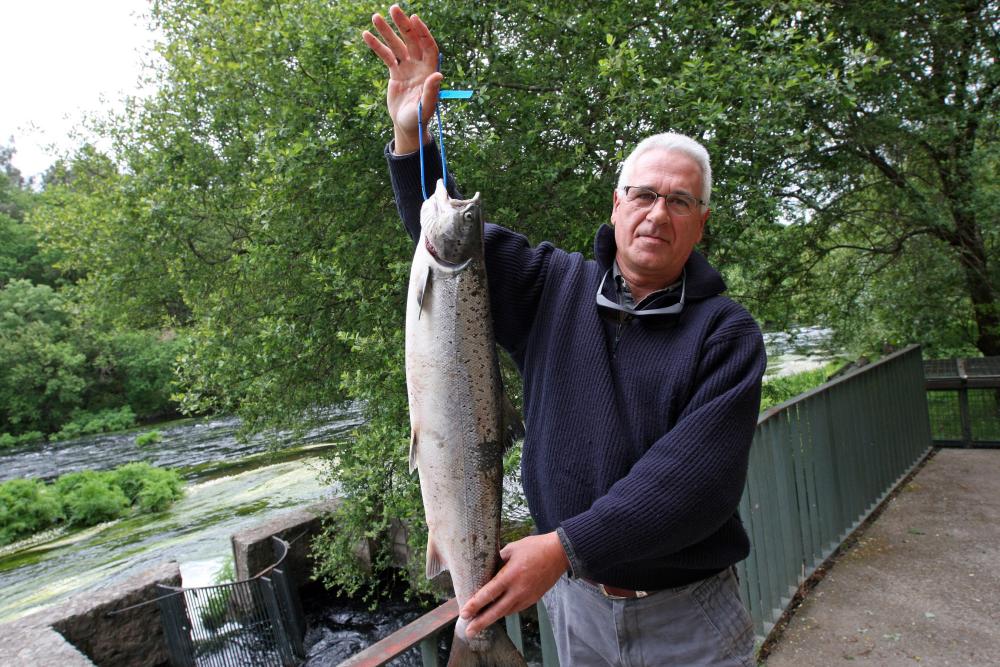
(231, 486)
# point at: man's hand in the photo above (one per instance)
(532, 566)
(412, 58)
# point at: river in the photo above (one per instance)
(230, 486)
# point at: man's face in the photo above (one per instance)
(653, 244)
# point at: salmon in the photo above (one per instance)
(460, 420)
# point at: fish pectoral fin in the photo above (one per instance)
(435, 562)
(424, 286)
(413, 450)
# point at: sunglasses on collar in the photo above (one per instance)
(606, 304)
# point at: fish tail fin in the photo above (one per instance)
(493, 648)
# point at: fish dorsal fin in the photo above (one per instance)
(422, 290)
(512, 426)
(435, 563)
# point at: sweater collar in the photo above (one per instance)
(703, 281)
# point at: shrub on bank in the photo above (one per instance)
(84, 498)
(27, 506)
(780, 389)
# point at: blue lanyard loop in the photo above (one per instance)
(442, 95)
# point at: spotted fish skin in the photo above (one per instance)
(457, 416)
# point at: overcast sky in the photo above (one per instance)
(63, 59)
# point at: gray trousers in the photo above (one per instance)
(704, 623)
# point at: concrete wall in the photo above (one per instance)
(81, 633)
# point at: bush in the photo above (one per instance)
(26, 507)
(147, 439)
(780, 389)
(7, 440)
(94, 501)
(84, 422)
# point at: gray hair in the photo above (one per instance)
(671, 141)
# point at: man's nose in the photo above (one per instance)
(659, 213)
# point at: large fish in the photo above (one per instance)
(458, 412)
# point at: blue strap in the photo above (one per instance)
(442, 95)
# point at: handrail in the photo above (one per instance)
(406, 637)
(781, 407)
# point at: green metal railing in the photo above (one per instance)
(819, 464)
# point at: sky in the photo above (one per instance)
(63, 59)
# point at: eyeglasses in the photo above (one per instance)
(677, 203)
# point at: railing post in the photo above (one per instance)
(549, 656)
(513, 625)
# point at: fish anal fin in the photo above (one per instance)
(435, 562)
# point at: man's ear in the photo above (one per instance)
(701, 224)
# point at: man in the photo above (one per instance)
(642, 387)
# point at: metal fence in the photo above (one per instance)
(257, 621)
(820, 463)
(963, 398)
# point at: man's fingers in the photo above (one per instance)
(493, 612)
(390, 37)
(380, 49)
(428, 45)
(407, 31)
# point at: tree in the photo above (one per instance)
(896, 200)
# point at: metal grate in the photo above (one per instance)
(257, 621)
(963, 401)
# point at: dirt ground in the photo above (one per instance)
(920, 585)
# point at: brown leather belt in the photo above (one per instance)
(616, 593)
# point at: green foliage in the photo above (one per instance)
(148, 438)
(93, 501)
(42, 378)
(784, 387)
(64, 377)
(136, 479)
(84, 422)
(7, 440)
(26, 507)
(84, 498)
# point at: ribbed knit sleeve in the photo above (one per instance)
(516, 270)
(688, 484)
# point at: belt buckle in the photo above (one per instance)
(604, 591)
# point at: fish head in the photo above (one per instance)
(452, 228)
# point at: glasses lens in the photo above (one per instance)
(640, 196)
(680, 204)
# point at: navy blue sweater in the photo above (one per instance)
(637, 451)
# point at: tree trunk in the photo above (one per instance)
(982, 292)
